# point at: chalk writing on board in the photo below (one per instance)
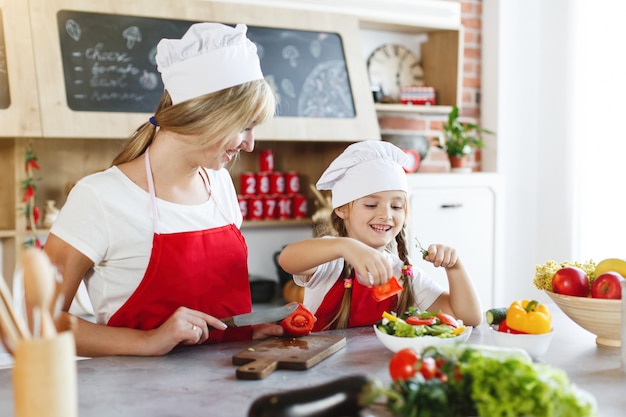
(5, 96)
(109, 65)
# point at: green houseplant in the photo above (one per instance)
(461, 138)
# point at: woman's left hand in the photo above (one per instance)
(265, 330)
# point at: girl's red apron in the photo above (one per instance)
(205, 270)
(364, 310)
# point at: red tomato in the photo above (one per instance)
(416, 321)
(571, 281)
(502, 327)
(447, 319)
(402, 364)
(299, 323)
(428, 368)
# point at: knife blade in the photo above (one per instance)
(268, 315)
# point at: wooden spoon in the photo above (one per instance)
(39, 287)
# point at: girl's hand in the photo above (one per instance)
(441, 256)
(370, 265)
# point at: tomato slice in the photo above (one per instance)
(388, 289)
(417, 321)
(447, 319)
(299, 323)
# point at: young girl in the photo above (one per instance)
(369, 199)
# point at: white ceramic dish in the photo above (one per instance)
(534, 344)
(395, 343)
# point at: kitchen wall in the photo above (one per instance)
(552, 80)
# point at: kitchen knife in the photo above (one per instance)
(268, 315)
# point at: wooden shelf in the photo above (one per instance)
(382, 108)
(7, 233)
(251, 224)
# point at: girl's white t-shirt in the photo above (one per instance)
(108, 218)
(426, 290)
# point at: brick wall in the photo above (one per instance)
(430, 125)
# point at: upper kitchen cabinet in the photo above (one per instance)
(19, 107)
(97, 77)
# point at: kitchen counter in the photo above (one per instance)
(200, 381)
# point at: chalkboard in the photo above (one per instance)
(108, 65)
(5, 96)
(307, 71)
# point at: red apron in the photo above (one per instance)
(364, 310)
(205, 270)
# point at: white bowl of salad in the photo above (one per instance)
(419, 330)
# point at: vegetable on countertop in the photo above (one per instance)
(477, 380)
(340, 397)
(529, 316)
(495, 315)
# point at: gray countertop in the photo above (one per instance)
(201, 381)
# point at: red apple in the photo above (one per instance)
(607, 285)
(571, 281)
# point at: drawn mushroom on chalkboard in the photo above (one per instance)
(291, 54)
(73, 29)
(132, 34)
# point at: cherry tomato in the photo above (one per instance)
(447, 319)
(402, 365)
(502, 327)
(416, 321)
(299, 323)
(428, 367)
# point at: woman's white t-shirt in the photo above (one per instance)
(108, 218)
(426, 290)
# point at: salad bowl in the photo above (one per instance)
(396, 343)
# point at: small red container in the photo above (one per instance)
(256, 208)
(277, 183)
(247, 183)
(266, 160)
(263, 183)
(292, 182)
(243, 205)
(299, 206)
(284, 207)
(270, 207)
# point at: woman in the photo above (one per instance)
(369, 217)
(156, 236)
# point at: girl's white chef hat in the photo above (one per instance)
(365, 168)
(208, 58)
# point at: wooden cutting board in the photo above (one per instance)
(297, 353)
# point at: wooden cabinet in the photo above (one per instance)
(461, 211)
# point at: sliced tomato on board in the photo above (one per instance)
(388, 289)
(299, 323)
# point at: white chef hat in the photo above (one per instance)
(208, 58)
(365, 168)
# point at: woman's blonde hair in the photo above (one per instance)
(215, 117)
(406, 297)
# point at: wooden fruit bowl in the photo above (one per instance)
(599, 316)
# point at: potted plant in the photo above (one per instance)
(461, 139)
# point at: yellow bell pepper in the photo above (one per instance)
(529, 316)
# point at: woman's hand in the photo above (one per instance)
(185, 326)
(265, 330)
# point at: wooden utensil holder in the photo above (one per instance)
(44, 377)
